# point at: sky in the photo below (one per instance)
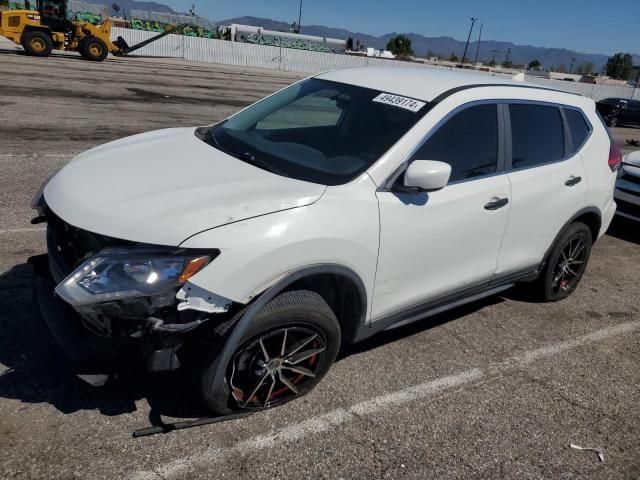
(589, 26)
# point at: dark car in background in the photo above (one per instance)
(619, 111)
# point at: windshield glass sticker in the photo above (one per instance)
(399, 101)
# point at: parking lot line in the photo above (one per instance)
(340, 416)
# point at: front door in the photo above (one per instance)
(437, 243)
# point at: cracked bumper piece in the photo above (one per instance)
(96, 358)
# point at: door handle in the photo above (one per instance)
(496, 203)
(571, 181)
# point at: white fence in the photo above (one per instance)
(302, 61)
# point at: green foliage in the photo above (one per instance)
(535, 65)
(453, 57)
(619, 66)
(586, 68)
(400, 46)
(507, 64)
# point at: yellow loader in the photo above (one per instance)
(46, 28)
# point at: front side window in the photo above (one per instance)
(537, 135)
(318, 131)
(468, 141)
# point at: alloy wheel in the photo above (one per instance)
(276, 366)
(569, 265)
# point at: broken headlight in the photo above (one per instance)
(121, 274)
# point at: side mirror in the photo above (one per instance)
(427, 175)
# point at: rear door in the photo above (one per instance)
(548, 183)
(631, 114)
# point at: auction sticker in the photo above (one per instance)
(399, 101)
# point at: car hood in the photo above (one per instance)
(162, 187)
(631, 163)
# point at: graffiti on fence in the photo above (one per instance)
(160, 27)
(85, 17)
(19, 5)
(284, 42)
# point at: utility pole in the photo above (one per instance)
(473, 22)
(507, 56)
(478, 47)
(571, 67)
(300, 17)
(493, 59)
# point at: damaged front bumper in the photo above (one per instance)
(96, 358)
(108, 337)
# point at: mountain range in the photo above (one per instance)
(442, 46)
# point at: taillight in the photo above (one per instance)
(615, 157)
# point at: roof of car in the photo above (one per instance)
(425, 84)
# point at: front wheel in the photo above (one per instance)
(94, 49)
(566, 263)
(37, 43)
(289, 346)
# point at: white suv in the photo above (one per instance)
(346, 204)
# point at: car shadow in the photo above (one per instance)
(625, 229)
(37, 371)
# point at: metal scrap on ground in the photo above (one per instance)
(599, 452)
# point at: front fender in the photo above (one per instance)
(342, 228)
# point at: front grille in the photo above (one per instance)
(628, 208)
(631, 178)
(69, 246)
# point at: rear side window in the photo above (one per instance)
(579, 127)
(537, 135)
(468, 141)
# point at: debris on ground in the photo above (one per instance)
(599, 452)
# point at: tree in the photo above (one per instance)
(562, 68)
(586, 68)
(507, 64)
(453, 58)
(535, 65)
(619, 66)
(400, 46)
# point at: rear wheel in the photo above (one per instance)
(566, 263)
(37, 43)
(613, 121)
(290, 345)
(94, 49)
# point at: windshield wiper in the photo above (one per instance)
(260, 163)
(246, 156)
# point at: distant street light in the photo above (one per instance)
(571, 67)
(473, 22)
(494, 52)
(300, 18)
(478, 47)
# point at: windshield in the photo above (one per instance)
(318, 131)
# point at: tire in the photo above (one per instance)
(555, 283)
(613, 121)
(290, 319)
(37, 43)
(94, 49)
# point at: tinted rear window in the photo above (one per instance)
(537, 135)
(579, 127)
